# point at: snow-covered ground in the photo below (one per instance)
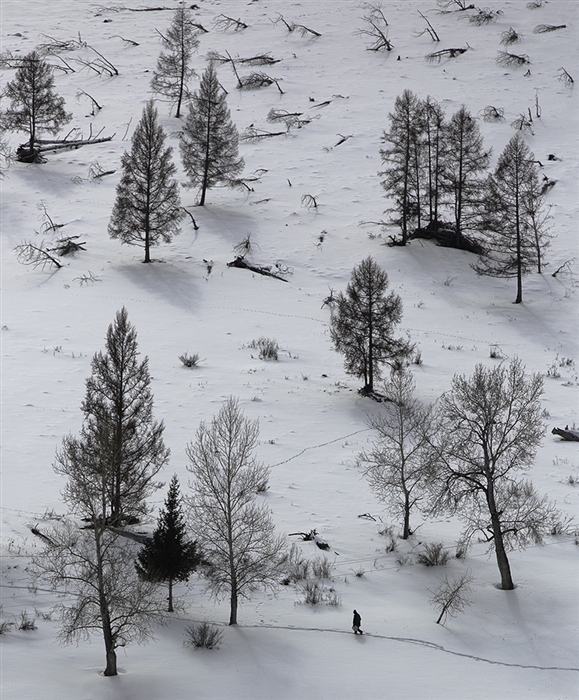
(519, 644)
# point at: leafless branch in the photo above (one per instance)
(429, 29)
(510, 60)
(565, 78)
(376, 28)
(438, 56)
(37, 255)
(224, 23)
(493, 114)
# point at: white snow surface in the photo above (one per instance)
(518, 644)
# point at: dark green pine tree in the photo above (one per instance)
(209, 142)
(147, 209)
(34, 107)
(169, 557)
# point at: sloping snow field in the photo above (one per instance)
(518, 645)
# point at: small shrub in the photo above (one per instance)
(190, 360)
(322, 568)
(493, 114)
(388, 532)
(404, 559)
(5, 626)
(298, 567)
(27, 623)
(315, 594)
(461, 549)
(333, 598)
(496, 353)
(434, 554)
(262, 486)
(416, 358)
(203, 635)
(359, 573)
(268, 348)
(510, 37)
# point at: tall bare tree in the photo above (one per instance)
(235, 532)
(401, 460)
(174, 70)
(95, 568)
(491, 429)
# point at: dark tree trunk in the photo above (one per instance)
(501, 554)
(406, 530)
(233, 610)
(170, 606)
(111, 669)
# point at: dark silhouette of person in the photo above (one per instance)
(357, 621)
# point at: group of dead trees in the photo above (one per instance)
(436, 175)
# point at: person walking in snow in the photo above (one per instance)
(356, 623)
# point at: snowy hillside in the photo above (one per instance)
(313, 423)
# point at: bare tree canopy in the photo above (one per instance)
(235, 532)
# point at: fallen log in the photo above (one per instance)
(566, 434)
(24, 154)
(260, 269)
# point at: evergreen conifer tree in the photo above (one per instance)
(465, 162)
(147, 209)
(120, 448)
(34, 106)
(514, 200)
(209, 142)
(174, 70)
(169, 556)
(434, 155)
(401, 156)
(362, 324)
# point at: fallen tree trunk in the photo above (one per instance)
(566, 434)
(25, 154)
(241, 263)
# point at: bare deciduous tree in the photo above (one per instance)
(452, 596)
(492, 426)
(376, 28)
(401, 460)
(235, 532)
(97, 570)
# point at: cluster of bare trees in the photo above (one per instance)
(436, 176)
(461, 456)
(110, 469)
